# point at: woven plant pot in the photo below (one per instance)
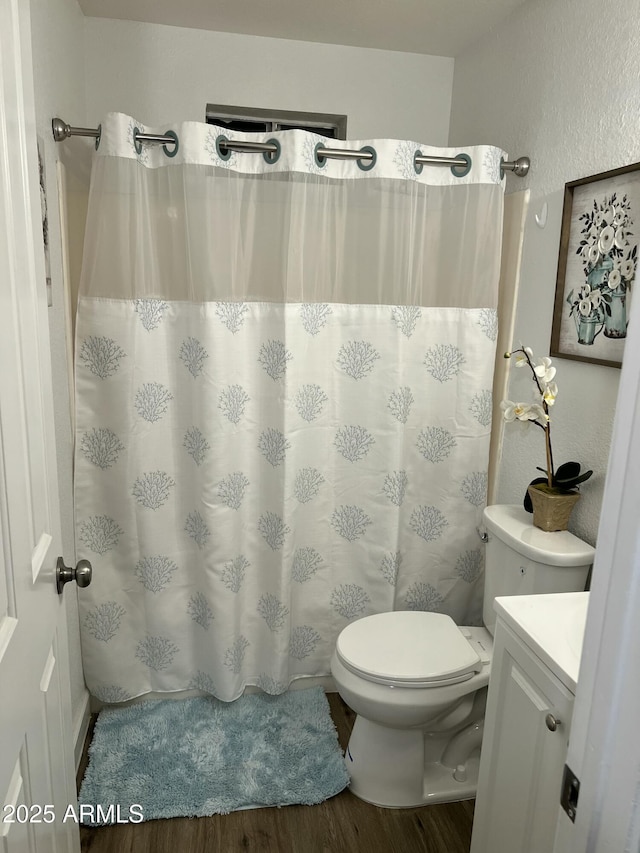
(551, 510)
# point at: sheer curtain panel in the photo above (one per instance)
(283, 375)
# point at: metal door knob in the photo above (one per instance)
(81, 574)
(552, 722)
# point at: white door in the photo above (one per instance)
(522, 753)
(36, 756)
(604, 748)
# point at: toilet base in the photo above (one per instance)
(387, 768)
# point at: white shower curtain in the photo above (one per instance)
(283, 373)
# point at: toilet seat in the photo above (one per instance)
(408, 649)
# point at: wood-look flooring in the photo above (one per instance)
(343, 824)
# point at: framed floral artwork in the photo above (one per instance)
(597, 266)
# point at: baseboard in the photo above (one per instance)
(81, 727)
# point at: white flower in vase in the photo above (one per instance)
(544, 370)
(567, 477)
(606, 239)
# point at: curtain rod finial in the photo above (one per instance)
(521, 166)
(60, 129)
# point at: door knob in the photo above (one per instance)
(552, 722)
(81, 574)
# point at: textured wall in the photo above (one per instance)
(57, 29)
(559, 82)
(159, 73)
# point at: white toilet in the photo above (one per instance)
(417, 681)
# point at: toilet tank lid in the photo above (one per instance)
(514, 526)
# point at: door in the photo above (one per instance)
(604, 749)
(523, 752)
(36, 755)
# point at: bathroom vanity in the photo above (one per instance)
(538, 643)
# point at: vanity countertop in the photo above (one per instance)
(552, 626)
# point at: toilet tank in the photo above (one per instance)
(521, 559)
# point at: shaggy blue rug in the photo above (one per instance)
(196, 757)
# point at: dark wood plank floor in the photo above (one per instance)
(343, 824)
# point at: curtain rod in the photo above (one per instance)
(61, 131)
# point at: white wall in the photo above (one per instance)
(166, 74)
(559, 82)
(57, 28)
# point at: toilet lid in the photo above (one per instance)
(408, 647)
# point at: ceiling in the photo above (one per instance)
(437, 27)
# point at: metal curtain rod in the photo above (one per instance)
(62, 131)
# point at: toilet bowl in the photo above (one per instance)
(435, 688)
(418, 682)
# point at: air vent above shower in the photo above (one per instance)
(256, 120)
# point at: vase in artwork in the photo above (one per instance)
(588, 328)
(615, 323)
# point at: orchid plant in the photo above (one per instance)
(567, 477)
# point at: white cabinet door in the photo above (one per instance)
(36, 755)
(522, 762)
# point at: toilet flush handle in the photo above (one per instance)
(552, 722)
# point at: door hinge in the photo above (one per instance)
(570, 791)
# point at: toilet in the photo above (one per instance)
(418, 682)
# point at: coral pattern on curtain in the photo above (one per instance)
(283, 373)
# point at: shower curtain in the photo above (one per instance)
(283, 374)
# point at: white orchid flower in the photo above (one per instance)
(550, 394)
(585, 290)
(537, 413)
(511, 411)
(614, 279)
(544, 370)
(525, 412)
(508, 410)
(618, 219)
(521, 357)
(605, 242)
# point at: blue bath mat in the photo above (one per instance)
(197, 757)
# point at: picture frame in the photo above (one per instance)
(597, 265)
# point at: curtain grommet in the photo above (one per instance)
(462, 171)
(99, 136)
(502, 162)
(272, 157)
(176, 144)
(137, 145)
(367, 165)
(222, 154)
(321, 162)
(418, 167)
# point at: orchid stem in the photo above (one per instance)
(550, 471)
(547, 426)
